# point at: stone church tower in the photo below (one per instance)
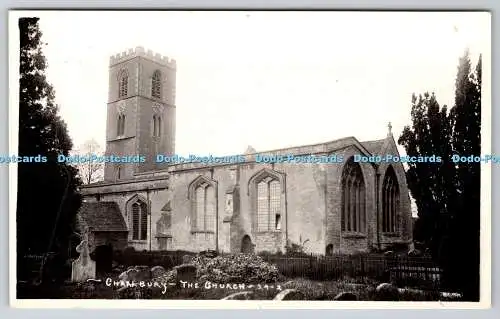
(141, 111)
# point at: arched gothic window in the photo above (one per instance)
(156, 125)
(268, 204)
(156, 84)
(123, 84)
(139, 220)
(353, 198)
(120, 126)
(203, 201)
(267, 191)
(390, 201)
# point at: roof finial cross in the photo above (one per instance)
(390, 128)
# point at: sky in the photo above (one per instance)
(266, 79)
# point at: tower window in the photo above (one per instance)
(156, 125)
(120, 126)
(123, 84)
(156, 85)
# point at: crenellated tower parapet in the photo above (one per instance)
(141, 52)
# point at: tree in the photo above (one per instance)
(91, 171)
(448, 194)
(430, 184)
(466, 141)
(47, 197)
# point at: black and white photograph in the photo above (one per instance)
(250, 159)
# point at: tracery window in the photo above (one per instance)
(202, 194)
(353, 198)
(390, 201)
(139, 219)
(268, 204)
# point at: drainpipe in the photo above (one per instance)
(216, 211)
(217, 217)
(286, 212)
(377, 197)
(150, 221)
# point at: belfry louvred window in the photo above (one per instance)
(123, 84)
(156, 85)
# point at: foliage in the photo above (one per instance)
(463, 236)
(90, 171)
(431, 184)
(239, 268)
(447, 194)
(48, 198)
(294, 249)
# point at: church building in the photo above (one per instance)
(247, 206)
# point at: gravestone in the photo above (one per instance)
(243, 295)
(83, 268)
(186, 272)
(414, 253)
(157, 271)
(290, 294)
(349, 296)
(143, 273)
(129, 275)
(387, 292)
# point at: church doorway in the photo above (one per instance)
(329, 250)
(104, 259)
(247, 247)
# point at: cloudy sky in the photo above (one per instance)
(266, 79)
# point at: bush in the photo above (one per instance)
(238, 268)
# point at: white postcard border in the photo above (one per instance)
(486, 219)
